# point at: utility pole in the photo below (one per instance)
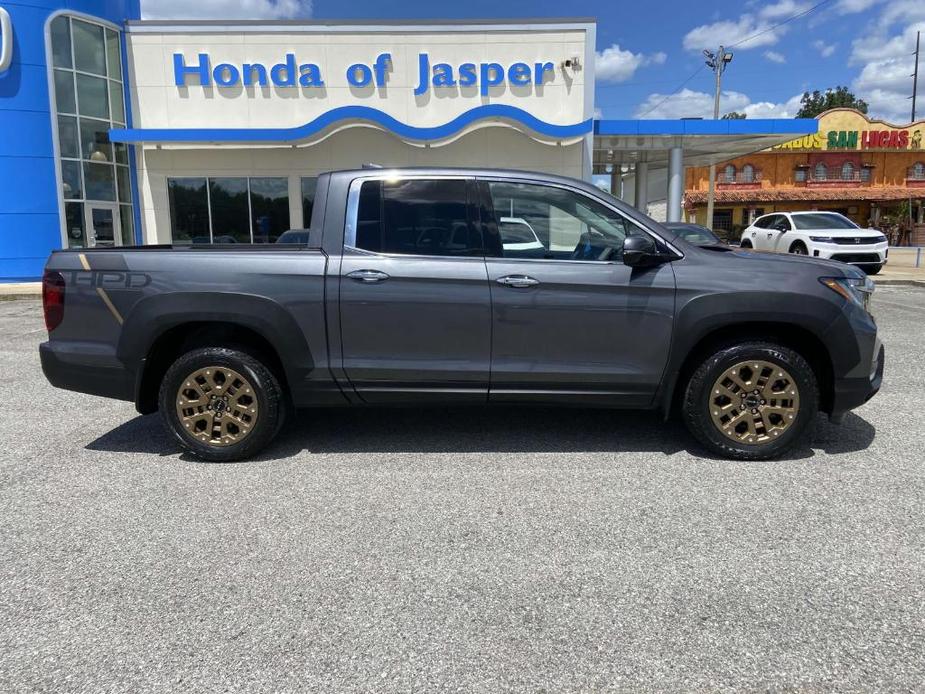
(717, 62)
(915, 74)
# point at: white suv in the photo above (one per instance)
(819, 234)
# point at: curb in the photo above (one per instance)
(18, 297)
(900, 283)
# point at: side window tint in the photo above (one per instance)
(537, 221)
(762, 223)
(369, 217)
(416, 217)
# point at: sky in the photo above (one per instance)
(649, 55)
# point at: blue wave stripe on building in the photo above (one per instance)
(344, 113)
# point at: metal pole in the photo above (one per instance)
(915, 73)
(718, 63)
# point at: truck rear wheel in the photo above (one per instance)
(751, 401)
(220, 404)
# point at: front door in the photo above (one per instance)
(572, 324)
(102, 224)
(415, 309)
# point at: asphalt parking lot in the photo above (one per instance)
(472, 550)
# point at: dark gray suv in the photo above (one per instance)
(460, 286)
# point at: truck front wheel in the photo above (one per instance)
(751, 401)
(220, 404)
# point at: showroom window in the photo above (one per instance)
(95, 181)
(228, 209)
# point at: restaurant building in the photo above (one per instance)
(869, 170)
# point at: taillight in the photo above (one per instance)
(53, 298)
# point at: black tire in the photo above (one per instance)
(745, 244)
(697, 400)
(799, 248)
(269, 399)
(871, 269)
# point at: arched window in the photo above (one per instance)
(729, 173)
(748, 173)
(918, 171)
(865, 173)
(847, 171)
(821, 172)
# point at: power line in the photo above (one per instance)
(781, 23)
(738, 43)
(677, 89)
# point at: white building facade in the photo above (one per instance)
(232, 123)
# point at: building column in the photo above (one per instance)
(615, 180)
(675, 183)
(642, 186)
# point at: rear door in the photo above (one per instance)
(576, 324)
(415, 308)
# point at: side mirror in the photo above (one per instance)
(640, 251)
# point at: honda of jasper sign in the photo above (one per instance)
(285, 83)
(291, 73)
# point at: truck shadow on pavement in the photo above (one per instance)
(478, 430)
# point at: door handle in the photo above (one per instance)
(368, 276)
(518, 281)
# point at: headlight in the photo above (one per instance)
(855, 290)
(821, 239)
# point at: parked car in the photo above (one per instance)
(518, 235)
(405, 293)
(818, 234)
(696, 234)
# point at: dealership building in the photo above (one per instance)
(122, 131)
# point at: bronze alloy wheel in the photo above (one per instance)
(217, 406)
(754, 402)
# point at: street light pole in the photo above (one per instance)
(717, 62)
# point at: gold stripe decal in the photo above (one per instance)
(102, 292)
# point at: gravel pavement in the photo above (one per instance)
(459, 550)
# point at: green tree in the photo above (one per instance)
(734, 115)
(812, 104)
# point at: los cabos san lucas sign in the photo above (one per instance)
(290, 73)
(848, 130)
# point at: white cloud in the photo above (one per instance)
(775, 57)
(825, 49)
(688, 103)
(614, 64)
(854, 6)
(225, 9)
(886, 60)
(748, 24)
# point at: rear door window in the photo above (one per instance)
(417, 217)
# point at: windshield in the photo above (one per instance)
(822, 220)
(515, 232)
(695, 234)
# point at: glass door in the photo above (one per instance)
(102, 225)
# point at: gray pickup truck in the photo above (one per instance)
(409, 289)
